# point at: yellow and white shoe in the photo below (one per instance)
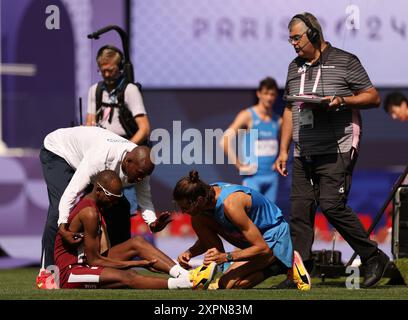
(299, 274)
(214, 285)
(202, 276)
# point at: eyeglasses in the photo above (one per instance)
(108, 193)
(296, 38)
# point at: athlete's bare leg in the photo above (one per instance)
(246, 274)
(139, 247)
(113, 278)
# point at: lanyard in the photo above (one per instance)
(303, 78)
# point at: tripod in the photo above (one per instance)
(382, 210)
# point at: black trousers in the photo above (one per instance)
(57, 174)
(331, 175)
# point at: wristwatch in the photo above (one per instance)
(229, 257)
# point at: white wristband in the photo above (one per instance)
(149, 216)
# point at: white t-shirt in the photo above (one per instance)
(90, 150)
(133, 100)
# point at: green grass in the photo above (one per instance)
(402, 265)
(20, 284)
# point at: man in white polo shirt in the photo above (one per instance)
(70, 157)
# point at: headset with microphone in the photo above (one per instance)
(301, 48)
(113, 48)
(312, 33)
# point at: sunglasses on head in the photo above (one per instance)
(108, 193)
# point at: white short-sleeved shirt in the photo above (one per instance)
(90, 150)
(133, 100)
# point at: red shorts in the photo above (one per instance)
(81, 277)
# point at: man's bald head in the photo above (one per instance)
(141, 155)
(138, 164)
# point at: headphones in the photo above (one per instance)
(113, 48)
(312, 33)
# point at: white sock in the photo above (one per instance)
(177, 271)
(179, 283)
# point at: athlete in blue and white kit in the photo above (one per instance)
(259, 152)
(246, 219)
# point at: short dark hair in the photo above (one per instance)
(268, 83)
(395, 98)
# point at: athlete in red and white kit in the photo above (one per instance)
(92, 264)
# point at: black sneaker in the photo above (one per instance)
(375, 268)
